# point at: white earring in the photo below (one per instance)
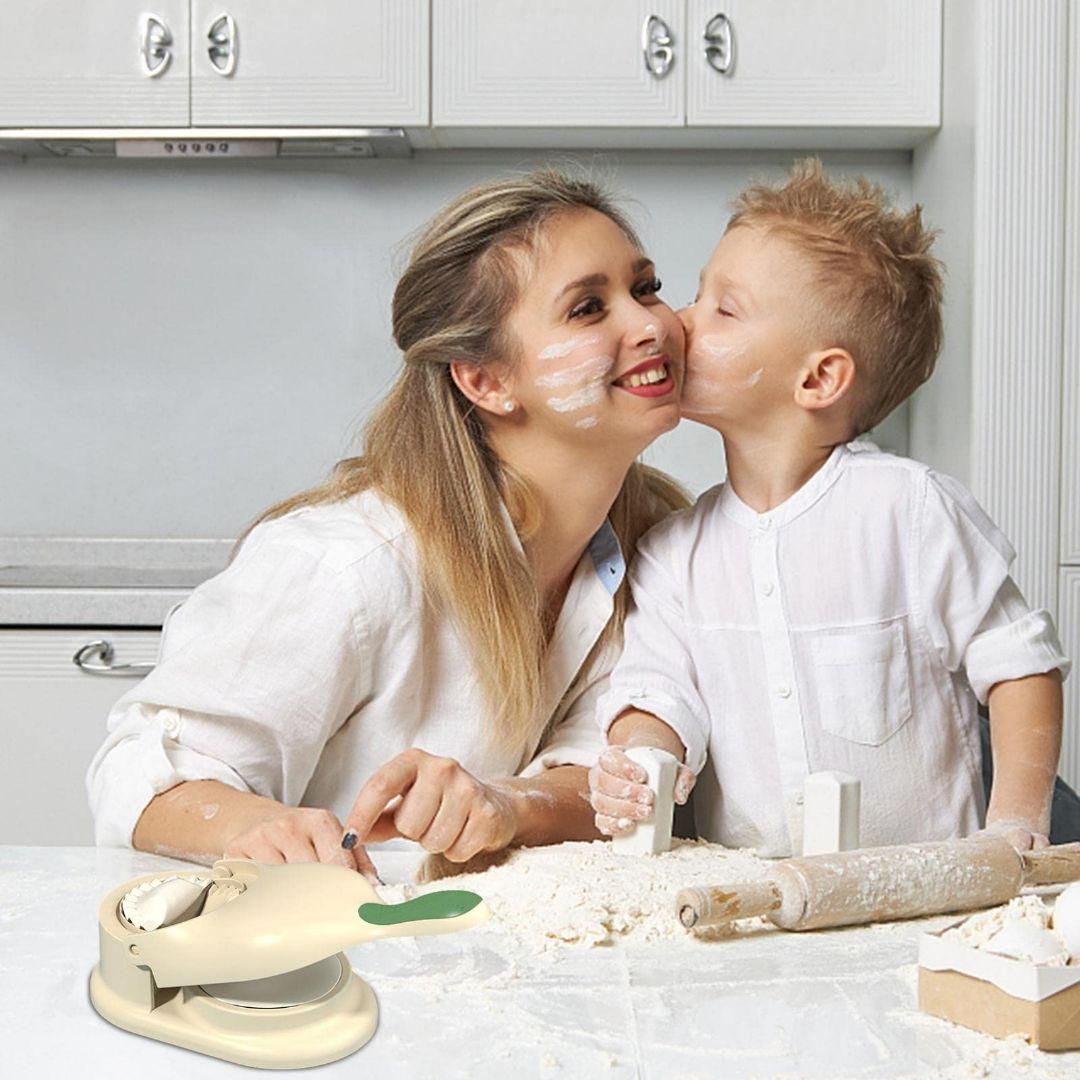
(508, 406)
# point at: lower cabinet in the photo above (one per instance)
(52, 721)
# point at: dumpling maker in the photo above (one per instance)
(245, 961)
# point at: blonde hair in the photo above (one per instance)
(878, 287)
(426, 449)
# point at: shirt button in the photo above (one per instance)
(784, 690)
(170, 721)
(767, 588)
(763, 523)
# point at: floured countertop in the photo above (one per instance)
(612, 992)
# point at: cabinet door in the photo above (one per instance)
(309, 63)
(68, 63)
(815, 63)
(565, 63)
(52, 721)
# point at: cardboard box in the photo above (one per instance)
(998, 995)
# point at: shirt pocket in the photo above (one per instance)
(863, 684)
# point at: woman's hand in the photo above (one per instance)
(619, 795)
(442, 807)
(298, 834)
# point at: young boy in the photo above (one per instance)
(828, 606)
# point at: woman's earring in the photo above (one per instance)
(508, 406)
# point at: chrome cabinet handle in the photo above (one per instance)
(96, 658)
(157, 42)
(224, 44)
(720, 44)
(656, 47)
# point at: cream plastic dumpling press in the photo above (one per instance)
(245, 962)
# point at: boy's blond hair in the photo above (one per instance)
(878, 285)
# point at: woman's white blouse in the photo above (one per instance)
(313, 659)
(850, 628)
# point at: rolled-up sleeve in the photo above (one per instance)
(656, 672)
(975, 614)
(257, 670)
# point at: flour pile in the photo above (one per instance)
(1020, 930)
(584, 893)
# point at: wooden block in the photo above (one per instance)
(830, 813)
(1051, 1024)
(653, 836)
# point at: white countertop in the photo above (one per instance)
(47, 581)
(827, 1004)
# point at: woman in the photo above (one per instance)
(418, 626)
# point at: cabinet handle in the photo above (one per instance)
(656, 47)
(224, 44)
(157, 42)
(96, 658)
(720, 44)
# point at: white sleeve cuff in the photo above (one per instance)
(1028, 646)
(665, 704)
(122, 780)
(576, 747)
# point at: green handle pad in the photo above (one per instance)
(448, 904)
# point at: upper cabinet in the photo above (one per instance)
(740, 73)
(67, 63)
(562, 63)
(814, 63)
(236, 63)
(603, 73)
(306, 63)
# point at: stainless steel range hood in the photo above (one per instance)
(206, 143)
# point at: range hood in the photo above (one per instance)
(206, 143)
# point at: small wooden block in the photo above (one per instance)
(830, 813)
(653, 836)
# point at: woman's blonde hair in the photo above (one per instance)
(425, 447)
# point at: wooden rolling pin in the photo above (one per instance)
(883, 884)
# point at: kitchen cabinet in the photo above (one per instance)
(67, 63)
(574, 63)
(297, 63)
(306, 63)
(786, 69)
(52, 721)
(814, 63)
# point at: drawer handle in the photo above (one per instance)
(720, 44)
(223, 44)
(96, 658)
(656, 47)
(156, 46)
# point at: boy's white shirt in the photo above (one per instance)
(313, 659)
(850, 628)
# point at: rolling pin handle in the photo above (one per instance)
(1052, 865)
(717, 905)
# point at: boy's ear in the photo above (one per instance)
(483, 385)
(827, 376)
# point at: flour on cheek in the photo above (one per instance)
(712, 374)
(581, 379)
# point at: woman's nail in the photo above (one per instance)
(348, 841)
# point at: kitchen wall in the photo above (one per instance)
(181, 346)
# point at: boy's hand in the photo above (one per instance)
(1022, 836)
(619, 794)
